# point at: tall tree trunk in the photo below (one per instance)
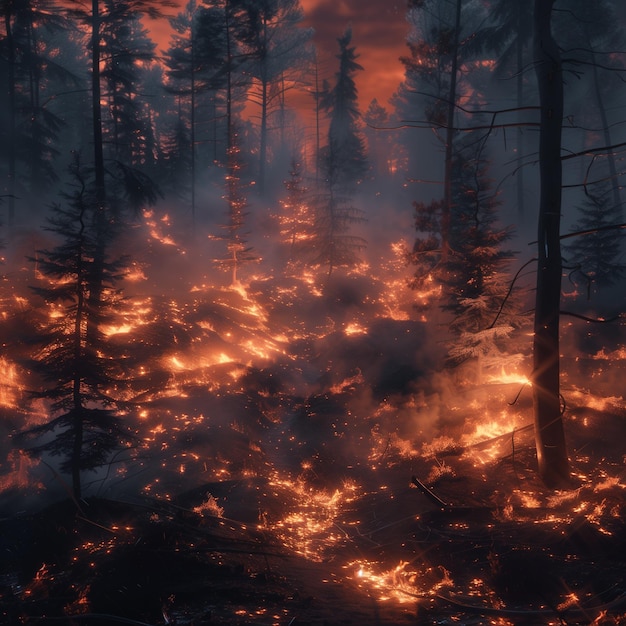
(96, 107)
(12, 112)
(552, 458)
(446, 216)
(77, 397)
(101, 218)
(192, 127)
(263, 143)
(519, 172)
(264, 108)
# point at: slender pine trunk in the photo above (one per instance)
(446, 214)
(552, 458)
(12, 112)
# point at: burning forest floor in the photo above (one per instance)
(457, 530)
(491, 546)
(304, 460)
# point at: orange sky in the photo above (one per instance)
(379, 30)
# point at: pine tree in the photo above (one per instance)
(192, 61)
(343, 164)
(296, 218)
(239, 253)
(475, 279)
(75, 365)
(594, 256)
(344, 159)
(332, 245)
(30, 124)
(379, 141)
(128, 51)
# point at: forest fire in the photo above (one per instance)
(289, 441)
(254, 374)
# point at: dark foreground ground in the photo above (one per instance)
(498, 548)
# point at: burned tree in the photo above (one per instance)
(549, 433)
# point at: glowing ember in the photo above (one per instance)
(397, 583)
(309, 529)
(11, 387)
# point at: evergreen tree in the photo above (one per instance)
(594, 256)
(332, 244)
(477, 256)
(110, 185)
(221, 25)
(75, 365)
(435, 44)
(30, 125)
(296, 219)
(476, 279)
(473, 277)
(239, 253)
(193, 61)
(127, 53)
(379, 141)
(344, 160)
(343, 164)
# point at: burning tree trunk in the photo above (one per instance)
(549, 433)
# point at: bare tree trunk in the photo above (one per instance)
(446, 216)
(263, 143)
(519, 53)
(12, 112)
(96, 282)
(95, 103)
(192, 122)
(552, 458)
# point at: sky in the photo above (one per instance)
(379, 32)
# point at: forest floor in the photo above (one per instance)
(485, 544)
(345, 481)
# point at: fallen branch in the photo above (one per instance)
(429, 494)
